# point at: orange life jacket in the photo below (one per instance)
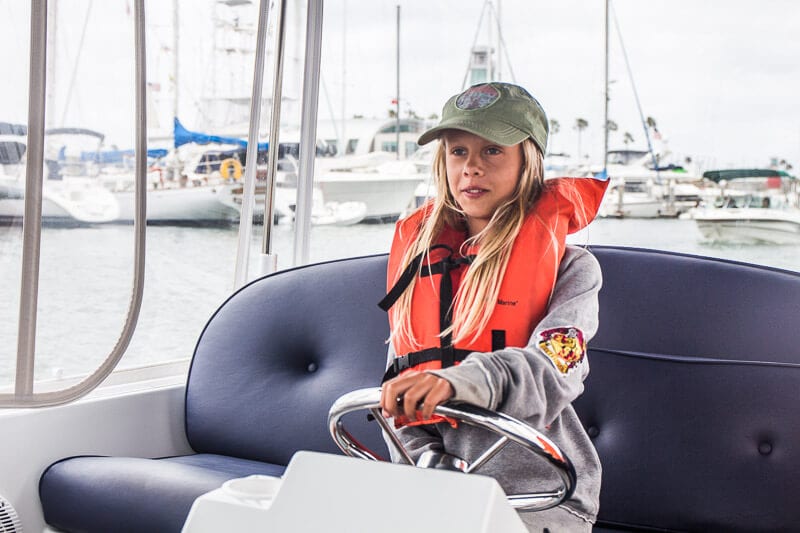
(564, 206)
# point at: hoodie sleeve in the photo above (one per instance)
(537, 382)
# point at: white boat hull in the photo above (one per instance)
(71, 201)
(652, 203)
(749, 226)
(633, 206)
(284, 200)
(385, 195)
(204, 204)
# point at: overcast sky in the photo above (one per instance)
(720, 77)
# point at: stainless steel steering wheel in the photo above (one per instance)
(507, 428)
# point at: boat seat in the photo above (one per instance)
(265, 371)
(690, 400)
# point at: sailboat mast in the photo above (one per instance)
(397, 89)
(605, 94)
(51, 50)
(175, 43)
(342, 146)
(500, 49)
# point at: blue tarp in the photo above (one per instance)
(6, 128)
(183, 136)
(118, 156)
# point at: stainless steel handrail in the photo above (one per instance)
(308, 133)
(274, 133)
(24, 395)
(32, 223)
(249, 188)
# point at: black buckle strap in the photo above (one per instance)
(442, 267)
(416, 358)
(446, 352)
(405, 278)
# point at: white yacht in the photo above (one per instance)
(70, 194)
(641, 189)
(752, 206)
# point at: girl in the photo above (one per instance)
(488, 305)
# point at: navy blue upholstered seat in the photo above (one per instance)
(690, 400)
(690, 397)
(266, 369)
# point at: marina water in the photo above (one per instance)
(86, 275)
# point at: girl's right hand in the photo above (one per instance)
(413, 391)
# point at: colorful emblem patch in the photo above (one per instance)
(477, 97)
(564, 347)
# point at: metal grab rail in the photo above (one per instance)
(24, 395)
(248, 198)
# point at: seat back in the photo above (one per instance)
(277, 354)
(691, 397)
(690, 401)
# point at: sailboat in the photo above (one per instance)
(643, 183)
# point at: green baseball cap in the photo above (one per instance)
(501, 112)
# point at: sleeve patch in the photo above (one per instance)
(564, 347)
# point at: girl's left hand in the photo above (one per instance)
(404, 394)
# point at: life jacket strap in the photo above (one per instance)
(498, 339)
(405, 278)
(445, 353)
(417, 358)
(442, 267)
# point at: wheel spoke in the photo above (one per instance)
(387, 429)
(488, 454)
(508, 428)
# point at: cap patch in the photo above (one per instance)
(477, 97)
(564, 347)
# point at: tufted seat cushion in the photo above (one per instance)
(266, 369)
(691, 397)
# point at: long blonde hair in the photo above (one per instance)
(473, 302)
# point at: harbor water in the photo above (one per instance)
(86, 277)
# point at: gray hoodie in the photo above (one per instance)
(528, 384)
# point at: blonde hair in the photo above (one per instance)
(473, 303)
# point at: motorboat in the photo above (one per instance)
(752, 206)
(378, 180)
(641, 189)
(70, 195)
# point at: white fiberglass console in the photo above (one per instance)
(337, 494)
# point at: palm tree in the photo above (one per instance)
(580, 125)
(554, 128)
(651, 123)
(611, 126)
(627, 139)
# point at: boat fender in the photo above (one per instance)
(230, 168)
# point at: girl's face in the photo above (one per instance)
(481, 175)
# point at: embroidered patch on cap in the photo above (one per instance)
(477, 97)
(564, 346)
